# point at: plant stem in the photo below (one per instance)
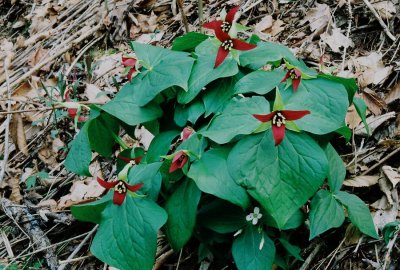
(200, 8)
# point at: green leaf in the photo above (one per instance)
(266, 52)
(281, 178)
(181, 208)
(188, 113)
(80, 154)
(236, 119)
(188, 42)
(358, 213)
(346, 132)
(390, 230)
(349, 83)
(326, 213)
(99, 133)
(125, 107)
(325, 99)
(195, 145)
(293, 222)
(136, 222)
(163, 68)
(219, 94)
(30, 182)
(150, 176)
(361, 108)
(91, 212)
(222, 217)
(211, 176)
(159, 146)
(260, 81)
(246, 250)
(337, 171)
(204, 72)
(291, 249)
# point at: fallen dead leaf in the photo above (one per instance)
(373, 123)
(374, 103)
(318, 17)
(18, 133)
(148, 24)
(394, 94)
(391, 174)
(335, 39)
(385, 9)
(150, 38)
(38, 56)
(264, 24)
(385, 212)
(81, 192)
(15, 195)
(370, 69)
(362, 181)
(352, 117)
(95, 95)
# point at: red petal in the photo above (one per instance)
(221, 55)
(221, 35)
(82, 118)
(297, 72)
(127, 160)
(264, 117)
(187, 131)
(174, 167)
(231, 14)
(128, 62)
(176, 163)
(66, 94)
(295, 83)
(130, 73)
(119, 197)
(241, 45)
(286, 76)
(214, 25)
(278, 133)
(106, 184)
(72, 112)
(134, 188)
(294, 115)
(178, 156)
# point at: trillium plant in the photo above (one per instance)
(241, 158)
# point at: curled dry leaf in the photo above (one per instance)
(335, 39)
(15, 195)
(373, 123)
(318, 17)
(374, 103)
(81, 192)
(362, 181)
(394, 94)
(392, 175)
(39, 55)
(370, 69)
(95, 95)
(385, 212)
(385, 9)
(17, 131)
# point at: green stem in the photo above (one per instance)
(119, 140)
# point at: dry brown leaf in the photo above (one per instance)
(264, 24)
(374, 103)
(95, 95)
(370, 69)
(150, 38)
(394, 94)
(373, 123)
(38, 56)
(15, 195)
(385, 212)
(362, 181)
(392, 175)
(148, 24)
(318, 17)
(81, 192)
(47, 155)
(335, 39)
(352, 117)
(385, 9)
(144, 136)
(18, 133)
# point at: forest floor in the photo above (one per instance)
(45, 43)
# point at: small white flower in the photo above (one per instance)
(255, 216)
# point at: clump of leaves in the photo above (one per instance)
(241, 143)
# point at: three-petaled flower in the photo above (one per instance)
(129, 62)
(255, 216)
(74, 109)
(120, 189)
(279, 121)
(294, 75)
(223, 25)
(179, 160)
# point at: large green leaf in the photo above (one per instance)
(181, 208)
(247, 253)
(125, 107)
(236, 119)
(281, 178)
(349, 83)
(163, 68)
(260, 81)
(326, 213)
(204, 72)
(160, 145)
(188, 113)
(80, 154)
(150, 176)
(211, 176)
(266, 52)
(127, 235)
(337, 171)
(100, 134)
(358, 213)
(326, 100)
(188, 42)
(91, 212)
(222, 217)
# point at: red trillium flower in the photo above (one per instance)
(225, 25)
(295, 75)
(72, 111)
(186, 133)
(120, 189)
(228, 44)
(179, 160)
(129, 62)
(279, 119)
(127, 160)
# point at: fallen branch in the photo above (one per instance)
(381, 22)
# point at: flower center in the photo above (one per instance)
(227, 45)
(120, 187)
(279, 119)
(225, 27)
(293, 74)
